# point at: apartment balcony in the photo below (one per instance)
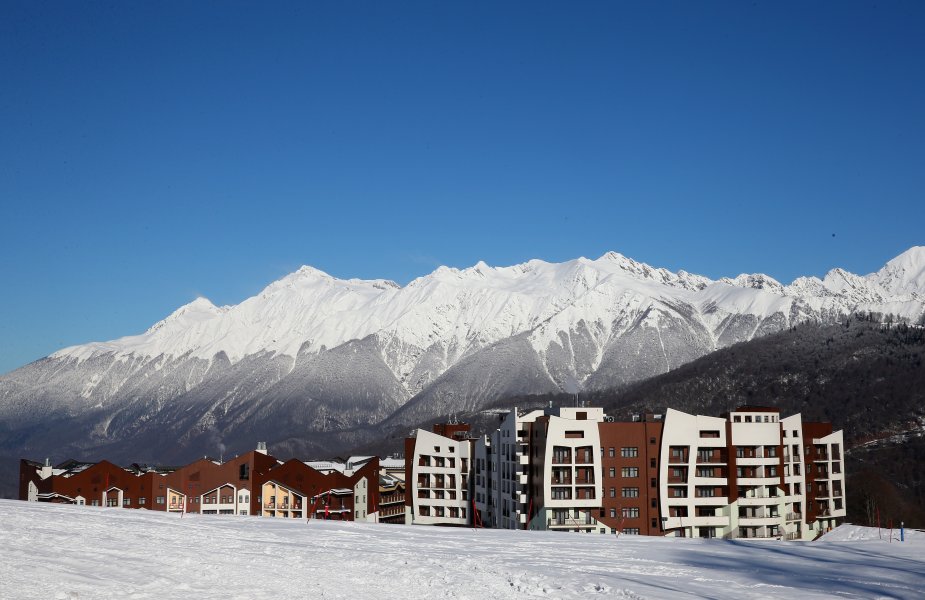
(718, 500)
(704, 521)
(758, 480)
(794, 516)
(522, 479)
(561, 460)
(757, 461)
(561, 481)
(761, 500)
(523, 459)
(582, 522)
(584, 481)
(754, 535)
(758, 521)
(821, 458)
(714, 481)
(711, 460)
(677, 460)
(676, 480)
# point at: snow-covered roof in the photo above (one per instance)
(326, 465)
(50, 495)
(355, 462)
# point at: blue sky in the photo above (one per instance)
(153, 152)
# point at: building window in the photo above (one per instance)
(611, 452)
(613, 471)
(737, 419)
(142, 500)
(705, 492)
(613, 513)
(244, 471)
(126, 501)
(653, 440)
(709, 434)
(629, 452)
(631, 513)
(160, 500)
(630, 531)
(629, 471)
(629, 492)
(613, 492)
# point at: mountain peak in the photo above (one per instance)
(200, 309)
(756, 281)
(904, 274)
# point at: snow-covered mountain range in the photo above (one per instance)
(313, 353)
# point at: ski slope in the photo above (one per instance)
(68, 552)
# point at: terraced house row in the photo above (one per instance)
(254, 483)
(746, 474)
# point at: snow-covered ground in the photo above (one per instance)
(49, 551)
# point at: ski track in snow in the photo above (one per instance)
(68, 552)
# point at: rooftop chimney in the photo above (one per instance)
(262, 447)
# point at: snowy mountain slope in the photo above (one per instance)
(323, 354)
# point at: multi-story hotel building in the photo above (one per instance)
(437, 470)
(748, 474)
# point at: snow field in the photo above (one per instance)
(57, 551)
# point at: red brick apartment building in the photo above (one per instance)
(253, 483)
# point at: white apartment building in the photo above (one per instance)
(437, 469)
(749, 475)
(565, 459)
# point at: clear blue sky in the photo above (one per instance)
(152, 152)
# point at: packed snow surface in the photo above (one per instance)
(68, 552)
